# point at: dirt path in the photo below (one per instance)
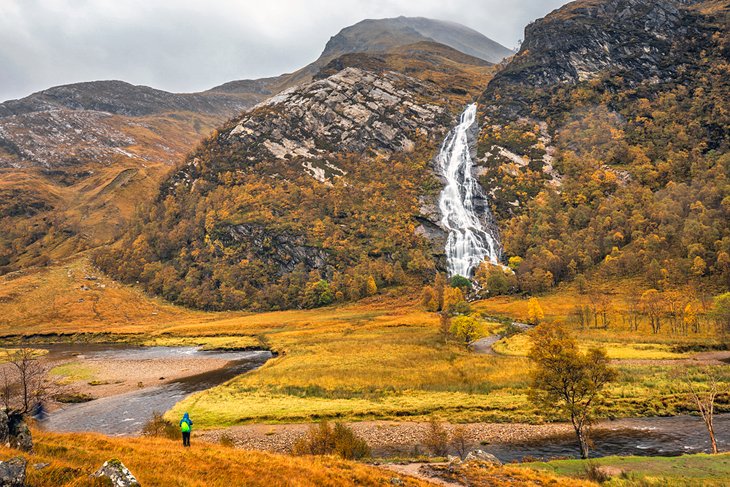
(419, 471)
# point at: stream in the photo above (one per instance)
(126, 414)
(672, 436)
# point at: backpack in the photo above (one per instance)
(185, 427)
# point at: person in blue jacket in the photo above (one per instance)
(186, 426)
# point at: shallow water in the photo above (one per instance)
(639, 436)
(126, 414)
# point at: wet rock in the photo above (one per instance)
(117, 473)
(483, 457)
(12, 472)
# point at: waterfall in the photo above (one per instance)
(471, 239)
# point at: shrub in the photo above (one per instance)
(158, 426)
(436, 439)
(460, 441)
(323, 439)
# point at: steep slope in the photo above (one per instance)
(312, 197)
(605, 142)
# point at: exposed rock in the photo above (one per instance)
(284, 250)
(21, 438)
(483, 457)
(12, 472)
(635, 38)
(40, 466)
(4, 428)
(117, 473)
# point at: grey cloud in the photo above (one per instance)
(188, 45)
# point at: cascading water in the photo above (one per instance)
(470, 241)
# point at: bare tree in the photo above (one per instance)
(28, 388)
(704, 399)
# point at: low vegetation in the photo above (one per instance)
(161, 462)
(687, 470)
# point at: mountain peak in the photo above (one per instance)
(378, 35)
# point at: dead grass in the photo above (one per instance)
(161, 462)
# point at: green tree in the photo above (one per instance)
(567, 379)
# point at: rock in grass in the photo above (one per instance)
(117, 473)
(21, 438)
(12, 472)
(482, 456)
(4, 427)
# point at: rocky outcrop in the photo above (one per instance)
(19, 435)
(117, 474)
(351, 112)
(637, 38)
(12, 472)
(285, 251)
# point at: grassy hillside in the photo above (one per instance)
(159, 462)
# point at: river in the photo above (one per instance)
(126, 414)
(670, 436)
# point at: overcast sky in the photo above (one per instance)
(193, 45)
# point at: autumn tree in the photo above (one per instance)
(652, 306)
(721, 313)
(454, 302)
(567, 379)
(466, 328)
(535, 314)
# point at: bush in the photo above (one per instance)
(436, 438)
(323, 439)
(158, 426)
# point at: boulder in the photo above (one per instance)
(117, 473)
(483, 457)
(4, 427)
(21, 438)
(12, 472)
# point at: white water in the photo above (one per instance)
(470, 242)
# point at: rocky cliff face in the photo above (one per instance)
(640, 40)
(350, 112)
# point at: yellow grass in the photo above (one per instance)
(160, 462)
(379, 358)
(519, 346)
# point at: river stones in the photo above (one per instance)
(12, 472)
(117, 473)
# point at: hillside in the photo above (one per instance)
(604, 145)
(76, 160)
(329, 177)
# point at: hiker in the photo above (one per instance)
(186, 425)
